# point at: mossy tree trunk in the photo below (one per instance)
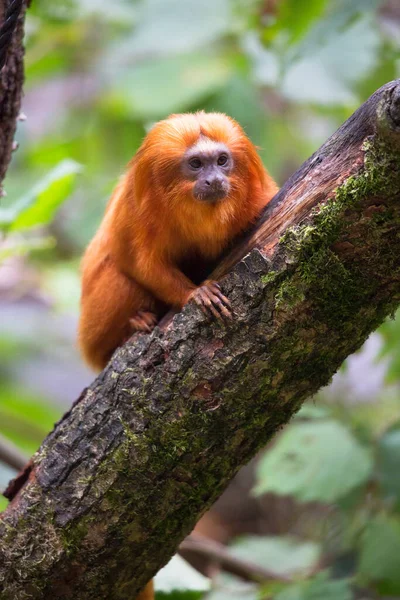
(152, 443)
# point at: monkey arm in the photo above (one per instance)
(163, 279)
(171, 286)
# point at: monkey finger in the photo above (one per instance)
(203, 308)
(223, 298)
(148, 317)
(212, 309)
(214, 286)
(205, 303)
(215, 306)
(222, 303)
(215, 289)
(138, 324)
(223, 310)
(199, 299)
(210, 303)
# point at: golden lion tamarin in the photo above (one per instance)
(195, 183)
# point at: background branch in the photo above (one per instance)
(155, 439)
(11, 455)
(218, 554)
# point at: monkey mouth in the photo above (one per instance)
(211, 194)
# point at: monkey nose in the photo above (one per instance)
(215, 184)
(211, 189)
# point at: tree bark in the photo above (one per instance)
(152, 443)
(11, 82)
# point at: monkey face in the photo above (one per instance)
(208, 165)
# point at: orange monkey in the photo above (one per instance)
(195, 183)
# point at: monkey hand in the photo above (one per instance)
(211, 300)
(144, 321)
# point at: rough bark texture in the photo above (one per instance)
(11, 80)
(152, 443)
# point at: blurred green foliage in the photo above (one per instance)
(303, 465)
(357, 469)
(97, 76)
(38, 206)
(25, 418)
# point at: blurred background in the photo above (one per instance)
(320, 508)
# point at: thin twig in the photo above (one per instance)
(11, 455)
(231, 564)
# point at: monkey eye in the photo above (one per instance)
(195, 163)
(222, 160)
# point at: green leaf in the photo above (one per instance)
(21, 247)
(3, 503)
(62, 281)
(318, 460)
(168, 26)
(309, 411)
(297, 16)
(24, 418)
(340, 17)
(116, 12)
(390, 332)
(388, 462)
(154, 89)
(380, 554)
(318, 588)
(240, 100)
(119, 11)
(179, 595)
(282, 555)
(39, 205)
(329, 73)
(179, 580)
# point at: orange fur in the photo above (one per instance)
(147, 593)
(153, 223)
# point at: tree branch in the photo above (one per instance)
(11, 81)
(11, 455)
(156, 438)
(221, 556)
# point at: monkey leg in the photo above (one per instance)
(109, 300)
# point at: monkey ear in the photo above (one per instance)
(256, 164)
(140, 174)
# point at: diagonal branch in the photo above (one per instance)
(152, 443)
